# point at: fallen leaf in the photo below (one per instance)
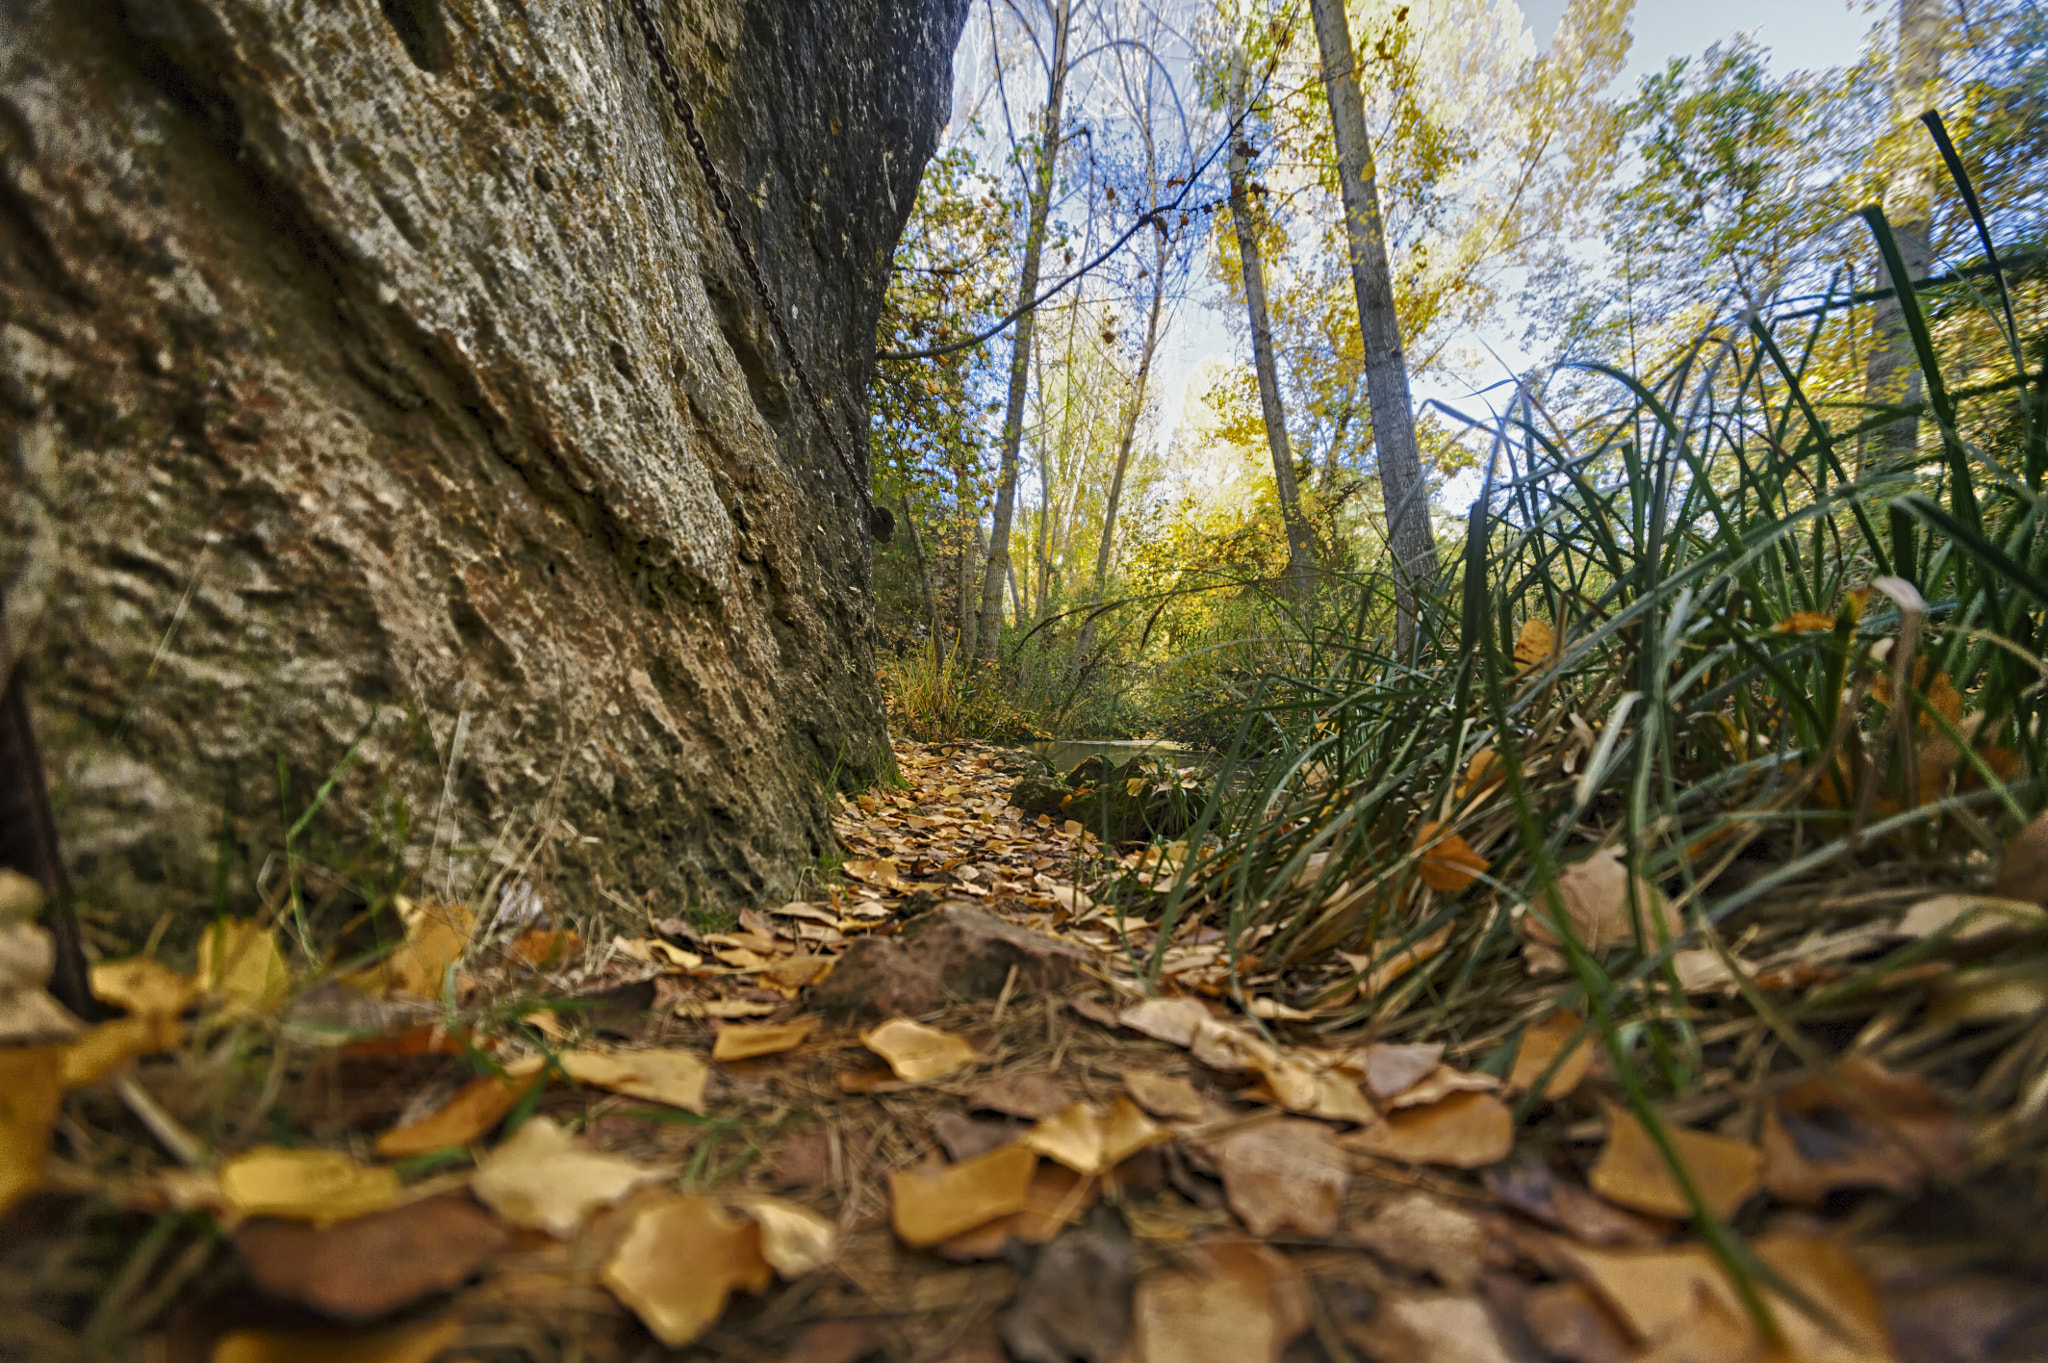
(321, 1186)
(1940, 695)
(1391, 1070)
(1632, 1172)
(1680, 1296)
(546, 1179)
(1528, 1184)
(1234, 1303)
(1464, 1131)
(419, 1343)
(745, 1043)
(794, 1239)
(1089, 1142)
(109, 1046)
(240, 966)
(680, 1261)
(1435, 1327)
(1449, 865)
(1971, 917)
(143, 986)
(673, 1077)
(1569, 1321)
(371, 1265)
(1542, 1044)
(1175, 1021)
(918, 1054)
(2023, 870)
(1805, 622)
(1033, 1097)
(1485, 770)
(1862, 1127)
(545, 947)
(1282, 1173)
(1170, 1096)
(1076, 1301)
(474, 1110)
(436, 936)
(1535, 644)
(931, 1204)
(1441, 1082)
(31, 1091)
(1597, 904)
(1425, 1234)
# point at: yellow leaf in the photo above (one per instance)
(546, 1179)
(1085, 1140)
(680, 1261)
(1485, 770)
(463, 1119)
(674, 1077)
(917, 1053)
(1805, 622)
(1449, 864)
(744, 1043)
(1166, 1095)
(794, 1240)
(1535, 644)
(1630, 1170)
(419, 1343)
(929, 1205)
(240, 965)
(1464, 1131)
(110, 1045)
(143, 986)
(31, 1090)
(1544, 1042)
(876, 871)
(306, 1185)
(436, 935)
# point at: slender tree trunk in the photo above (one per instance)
(1892, 377)
(970, 560)
(1386, 372)
(924, 576)
(1020, 355)
(1300, 544)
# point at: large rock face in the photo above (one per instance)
(386, 358)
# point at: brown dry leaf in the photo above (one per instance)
(1283, 1173)
(1667, 1298)
(143, 986)
(1869, 1128)
(1426, 1234)
(1338, 1099)
(240, 966)
(1805, 622)
(1535, 645)
(321, 1186)
(1443, 1081)
(933, 1203)
(474, 1110)
(1570, 1322)
(108, 1046)
(745, 1043)
(1530, 1186)
(436, 935)
(1235, 1303)
(1436, 1327)
(1597, 904)
(1542, 1043)
(543, 947)
(546, 1179)
(680, 1261)
(1630, 1170)
(31, 1091)
(1170, 1096)
(1941, 695)
(419, 1343)
(1175, 1021)
(880, 872)
(1465, 1131)
(673, 1077)
(1391, 1070)
(1448, 865)
(1971, 916)
(370, 1266)
(794, 1239)
(2023, 870)
(1484, 771)
(916, 1053)
(1075, 1302)
(1033, 1097)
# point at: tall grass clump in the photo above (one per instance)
(1791, 691)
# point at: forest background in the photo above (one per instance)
(1536, 204)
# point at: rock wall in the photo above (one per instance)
(378, 370)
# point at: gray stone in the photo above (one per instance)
(388, 356)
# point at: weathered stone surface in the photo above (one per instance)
(386, 356)
(957, 951)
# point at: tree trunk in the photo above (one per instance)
(970, 559)
(1300, 544)
(1892, 377)
(924, 576)
(998, 564)
(1386, 372)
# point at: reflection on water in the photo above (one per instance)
(1064, 754)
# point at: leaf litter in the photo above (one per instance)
(1232, 1163)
